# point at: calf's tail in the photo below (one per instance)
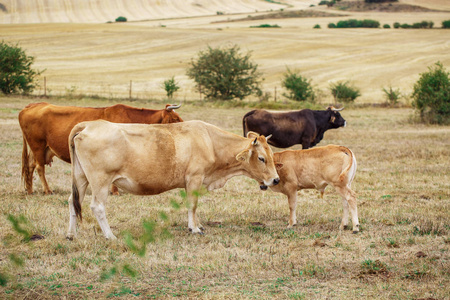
(348, 174)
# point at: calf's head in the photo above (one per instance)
(258, 161)
(169, 115)
(336, 120)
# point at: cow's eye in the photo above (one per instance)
(261, 159)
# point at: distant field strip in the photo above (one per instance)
(100, 11)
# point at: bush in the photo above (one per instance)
(16, 75)
(299, 87)
(266, 26)
(431, 95)
(225, 74)
(353, 23)
(121, 19)
(387, 26)
(331, 25)
(317, 26)
(170, 86)
(342, 91)
(446, 24)
(397, 25)
(392, 96)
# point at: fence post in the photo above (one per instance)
(45, 86)
(131, 82)
(275, 95)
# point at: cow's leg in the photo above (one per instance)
(82, 184)
(29, 178)
(192, 189)
(292, 199)
(349, 202)
(41, 171)
(98, 209)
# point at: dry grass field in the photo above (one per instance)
(402, 251)
(101, 59)
(402, 182)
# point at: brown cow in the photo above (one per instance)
(151, 159)
(46, 128)
(317, 168)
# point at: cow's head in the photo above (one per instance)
(169, 115)
(258, 161)
(336, 120)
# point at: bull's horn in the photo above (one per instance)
(269, 136)
(170, 107)
(336, 109)
(255, 142)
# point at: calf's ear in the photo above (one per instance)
(279, 166)
(244, 155)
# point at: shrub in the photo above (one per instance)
(331, 25)
(299, 87)
(266, 26)
(170, 86)
(225, 74)
(392, 96)
(397, 25)
(446, 24)
(317, 26)
(16, 74)
(342, 91)
(353, 23)
(431, 95)
(121, 19)
(387, 26)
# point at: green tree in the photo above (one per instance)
(342, 91)
(299, 87)
(170, 86)
(16, 74)
(431, 95)
(225, 74)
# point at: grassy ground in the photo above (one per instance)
(402, 251)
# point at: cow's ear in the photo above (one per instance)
(252, 135)
(279, 166)
(244, 155)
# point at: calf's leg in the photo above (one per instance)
(81, 189)
(292, 199)
(349, 201)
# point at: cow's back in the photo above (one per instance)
(313, 167)
(48, 125)
(140, 152)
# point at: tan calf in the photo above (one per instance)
(151, 159)
(317, 168)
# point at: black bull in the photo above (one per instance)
(305, 127)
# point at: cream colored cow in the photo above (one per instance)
(317, 168)
(151, 159)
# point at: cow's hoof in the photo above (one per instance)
(69, 237)
(345, 227)
(355, 231)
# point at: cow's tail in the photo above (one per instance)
(348, 174)
(77, 170)
(27, 176)
(244, 122)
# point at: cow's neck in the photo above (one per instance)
(226, 165)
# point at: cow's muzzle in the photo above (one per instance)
(263, 187)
